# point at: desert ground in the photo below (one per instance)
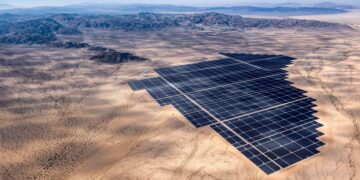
(66, 117)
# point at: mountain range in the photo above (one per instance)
(281, 9)
(6, 6)
(44, 30)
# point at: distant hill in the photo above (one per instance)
(249, 10)
(8, 16)
(150, 21)
(289, 5)
(138, 8)
(6, 6)
(110, 56)
(328, 5)
(334, 5)
(45, 30)
(37, 31)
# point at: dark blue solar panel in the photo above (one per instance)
(253, 154)
(249, 57)
(268, 122)
(270, 137)
(263, 61)
(231, 104)
(190, 110)
(156, 87)
(146, 83)
(136, 85)
(196, 67)
(209, 78)
(228, 135)
(256, 109)
(276, 63)
(162, 92)
(292, 145)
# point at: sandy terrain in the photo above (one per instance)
(65, 117)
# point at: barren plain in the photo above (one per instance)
(64, 116)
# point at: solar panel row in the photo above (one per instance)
(191, 111)
(196, 67)
(211, 77)
(256, 110)
(277, 151)
(261, 125)
(249, 151)
(165, 95)
(156, 87)
(249, 57)
(281, 62)
(285, 135)
(244, 103)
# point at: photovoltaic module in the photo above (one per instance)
(248, 101)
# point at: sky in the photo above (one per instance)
(32, 3)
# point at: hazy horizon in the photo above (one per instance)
(34, 3)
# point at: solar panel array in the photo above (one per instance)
(248, 101)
